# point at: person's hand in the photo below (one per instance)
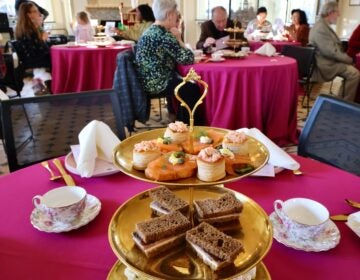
(176, 32)
(209, 41)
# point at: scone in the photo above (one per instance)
(211, 165)
(177, 131)
(145, 152)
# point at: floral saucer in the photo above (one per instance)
(326, 240)
(92, 209)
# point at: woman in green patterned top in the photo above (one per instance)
(158, 52)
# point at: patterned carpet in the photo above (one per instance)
(58, 113)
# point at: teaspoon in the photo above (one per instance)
(52, 175)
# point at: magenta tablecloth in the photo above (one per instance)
(256, 91)
(85, 253)
(254, 45)
(77, 69)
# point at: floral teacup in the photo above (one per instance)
(303, 218)
(62, 204)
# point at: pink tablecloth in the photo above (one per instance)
(77, 69)
(26, 253)
(257, 92)
(254, 45)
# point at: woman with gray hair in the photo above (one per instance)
(158, 52)
(331, 60)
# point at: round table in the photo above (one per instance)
(85, 253)
(82, 68)
(257, 91)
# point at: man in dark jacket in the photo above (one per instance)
(213, 29)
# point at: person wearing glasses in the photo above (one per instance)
(331, 60)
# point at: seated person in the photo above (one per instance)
(159, 51)
(299, 30)
(145, 18)
(258, 26)
(213, 29)
(32, 46)
(331, 60)
(354, 43)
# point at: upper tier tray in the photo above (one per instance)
(123, 157)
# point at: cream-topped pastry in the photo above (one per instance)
(237, 142)
(211, 165)
(177, 131)
(145, 152)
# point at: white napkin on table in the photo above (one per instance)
(96, 140)
(266, 49)
(278, 157)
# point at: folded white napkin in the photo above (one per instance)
(126, 42)
(278, 157)
(266, 49)
(96, 140)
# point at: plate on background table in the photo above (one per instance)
(326, 240)
(217, 60)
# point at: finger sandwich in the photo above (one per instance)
(215, 248)
(157, 235)
(165, 201)
(223, 209)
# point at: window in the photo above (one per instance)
(8, 6)
(245, 10)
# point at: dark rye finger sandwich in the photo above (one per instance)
(221, 211)
(165, 201)
(214, 247)
(157, 235)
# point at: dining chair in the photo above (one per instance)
(331, 133)
(134, 101)
(56, 121)
(305, 58)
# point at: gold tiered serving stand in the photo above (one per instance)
(255, 232)
(234, 42)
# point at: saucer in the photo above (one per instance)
(327, 240)
(217, 60)
(92, 209)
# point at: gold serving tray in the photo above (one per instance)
(123, 154)
(117, 272)
(182, 263)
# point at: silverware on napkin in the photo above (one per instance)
(67, 178)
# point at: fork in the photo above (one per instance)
(53, 177)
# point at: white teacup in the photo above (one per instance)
(62, 204)
(245, 49)
(216, 56)
(198, 53)
(302, 217)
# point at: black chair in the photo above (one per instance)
(5, 26)
(332, 132)
(56, 121)
(305, 57)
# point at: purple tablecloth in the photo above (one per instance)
(85, 253)
(77, 69)
(257, 91)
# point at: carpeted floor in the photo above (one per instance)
(154, 120)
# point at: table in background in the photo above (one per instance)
(254, 45)
(82, 68)
(85, 253)
(257, 91)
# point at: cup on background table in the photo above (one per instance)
(63, 204)
(302, 217)
(216, 56)
(197, 55)
(245, 50)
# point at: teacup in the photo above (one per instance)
(302, 218)
(245, 49)
(63, 204)
(198, 53)
(216, 56)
